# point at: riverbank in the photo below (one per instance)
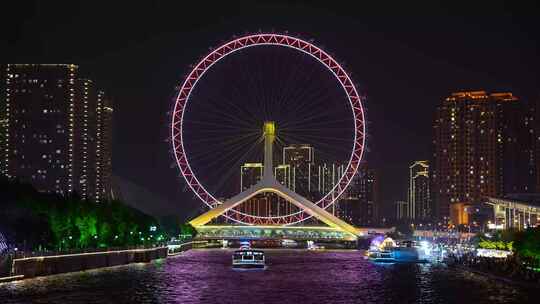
(29, 267)
(498, 278)
(510, 270)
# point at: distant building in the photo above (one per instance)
(283, 175)
(402, 210)
(250, 174)
(52, 141)
(300, 158)
(299, 172)
(360, 204)
(104, 182)
(475, 148)
(326, 177)
(419, 202)
(369, 196)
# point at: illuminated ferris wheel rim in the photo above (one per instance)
(267, 40)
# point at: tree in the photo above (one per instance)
(528, 244)
(51, 221)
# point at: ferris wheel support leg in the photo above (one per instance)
(275, 187)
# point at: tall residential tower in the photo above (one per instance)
(474, 145)
(51, 119)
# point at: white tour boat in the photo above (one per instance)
(247, 258)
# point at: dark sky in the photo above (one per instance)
(404, 58)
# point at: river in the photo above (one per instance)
(293, 276)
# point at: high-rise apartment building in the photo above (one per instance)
(85, 137)
(419, 201)
(104, 180)
(474, 147)
(51, 133)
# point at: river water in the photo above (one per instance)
(293, 276)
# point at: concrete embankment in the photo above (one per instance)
(49, 265)
(176, 249)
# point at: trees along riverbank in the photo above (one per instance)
(38, 221)
(523, 265)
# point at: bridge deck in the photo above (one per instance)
(280, 232)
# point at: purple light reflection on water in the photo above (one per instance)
(293, 276)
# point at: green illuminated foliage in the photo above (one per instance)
(71, 222)
(528, 244)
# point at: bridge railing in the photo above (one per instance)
(44, 253)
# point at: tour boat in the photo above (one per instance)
(247, 258)
(380, 256)
(389, 251)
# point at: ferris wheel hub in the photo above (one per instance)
(269, 128)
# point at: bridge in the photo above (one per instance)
(335, 229)
(298, 233)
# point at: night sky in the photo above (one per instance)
(405, 59)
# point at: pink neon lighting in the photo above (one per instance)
(267, 40)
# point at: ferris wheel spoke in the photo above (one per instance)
(220, 112)
(311, 123)
(235, 164)
(221, 127)
(225, 154)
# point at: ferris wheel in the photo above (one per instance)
(181, 128)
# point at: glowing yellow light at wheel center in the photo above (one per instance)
(269, 128)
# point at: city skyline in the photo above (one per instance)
(141, 98)
(270, 152)
(359, 205)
